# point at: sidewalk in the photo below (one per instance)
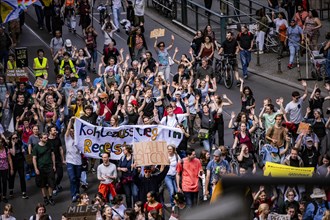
(268, 61)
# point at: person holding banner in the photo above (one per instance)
(107, 174)
(73, 161)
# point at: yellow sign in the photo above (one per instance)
(279, 170)
(160, 32)
(150, 153)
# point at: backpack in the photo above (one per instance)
(240, 34)
(316, 207)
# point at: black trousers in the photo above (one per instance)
(3, 182)
(59, 173)
(18, 167)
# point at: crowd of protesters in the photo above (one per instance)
(37, 133)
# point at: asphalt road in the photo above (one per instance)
(33, 39)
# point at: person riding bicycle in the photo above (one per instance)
(69, 14)
(230, 47)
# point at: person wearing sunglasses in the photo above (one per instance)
(16, 153)
(148, 181)
(163, 57)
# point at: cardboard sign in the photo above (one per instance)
(41, 83)
(303, 127)
(160, 32)
(275, 216)
(82, 212)
(150, 153)
(21, 57)
(17, 75)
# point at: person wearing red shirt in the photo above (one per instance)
(105, 107)
(189, 172)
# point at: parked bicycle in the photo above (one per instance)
(234, 165)
(166, 7)
(224, 69)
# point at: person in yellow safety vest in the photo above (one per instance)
(11, 63)
(40, 65)
(67, 62)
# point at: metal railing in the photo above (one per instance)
(239, 11)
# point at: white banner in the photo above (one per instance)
(93, 140)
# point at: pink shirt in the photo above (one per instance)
(190, 173)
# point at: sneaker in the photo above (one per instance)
(11, 193)
(41, 28)
(290, 66)
(24, 196)
(238, 84)
(27, 177)
(93, 170)
(245, 76)
(33, 174)
(84, 187)
(74, 199)
(46, 201)
(118, 30)
(54, 192)
(51, 202)
(5, 200)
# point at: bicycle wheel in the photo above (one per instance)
(234, 166)
(217, 70)
(273, 44)
(229, 77)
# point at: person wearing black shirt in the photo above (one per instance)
(177, 78)
(230, 47)
(56, 144)
(89, 116)
(309, 153)
(245, 43)
(150, 62)
(109, 52)
(18, 106)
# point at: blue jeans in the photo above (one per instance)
(116, 16)
(294, 49)
(171, 187)
(191, 198)
(74, 172)
(208, 143)
(160, 110)
(245, 57)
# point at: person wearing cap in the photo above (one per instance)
(68, 47)
(40, 65)
(318, 205)
(212, 171)
(309, 153)
(294, 36)
(67, 61)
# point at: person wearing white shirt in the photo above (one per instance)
(106, 173)
(172, 119)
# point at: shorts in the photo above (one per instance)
(45, 179)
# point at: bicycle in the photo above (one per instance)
(272, 43)
(234, 165)
(224, 69)
(258, 139)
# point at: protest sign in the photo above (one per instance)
(21, 55)
(40, 83)
(93, 140)
(279, 170)
(159, 32)
(86, 212)
(303, 127)
(17, 75)
(150, 153)
(275, 216)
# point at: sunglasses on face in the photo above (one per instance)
(147, 171)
